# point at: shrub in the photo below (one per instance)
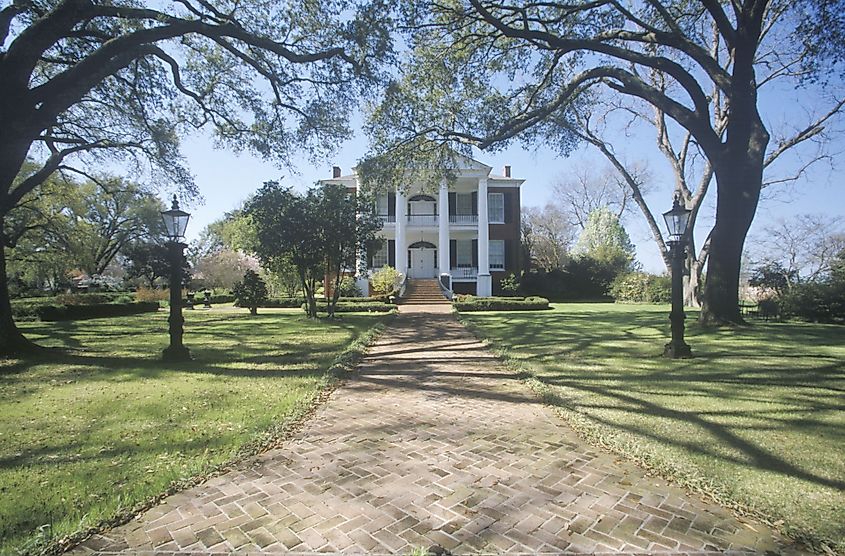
(371, 299)
(283, 302)
(348, 287)
(27, 309)
(89, 298)
(94, 311)
(816, 302)
(641, 287)
(385, 280)
(582, 279)
(250, 292)
(510, 284)
(149, 294)
(472, 303)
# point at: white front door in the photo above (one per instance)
(422, 263)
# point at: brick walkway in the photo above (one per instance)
(433, 443)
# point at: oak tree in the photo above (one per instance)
(86, 80)
(485, 72)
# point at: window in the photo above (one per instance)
(463, 253)
(380, 257)
(383, 209)
(497, 254)
(496, 208)
(463, 204)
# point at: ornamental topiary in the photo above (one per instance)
(250, 292)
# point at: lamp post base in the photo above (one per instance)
(176, 353)
(677, 350)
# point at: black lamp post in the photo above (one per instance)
(175, 222)
(676, 221)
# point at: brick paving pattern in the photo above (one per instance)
(433, 442)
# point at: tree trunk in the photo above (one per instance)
(692, 283)
(12, 342)
(739, 181)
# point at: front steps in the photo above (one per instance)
(423, 292)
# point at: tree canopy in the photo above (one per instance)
(320, 233)
(83, 81)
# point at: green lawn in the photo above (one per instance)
(756, 418)
(86, 434)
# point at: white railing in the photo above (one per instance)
(463, 219)
(387, 218)
(464, 273)
(445, 283)
(422, 219)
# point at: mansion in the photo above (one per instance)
(466, 233)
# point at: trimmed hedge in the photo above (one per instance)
(371, 299)
(472, 303)
(282, 303)
(294, 302)
(94, 298)
(216, 299)
(78, 312)
(349, 307)
(27, 309)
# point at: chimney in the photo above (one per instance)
(335, 171)
(507, 171)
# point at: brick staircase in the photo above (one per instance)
(423, 292)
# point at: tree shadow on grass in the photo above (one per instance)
(753, 455)
(607, 355)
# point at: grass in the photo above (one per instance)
(88, 434)
(756, 419)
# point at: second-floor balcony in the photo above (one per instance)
(432, 220)
(463, 219)
(423, 220)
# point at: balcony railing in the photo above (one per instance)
(433, 219)
(422, 220)
(463, 219)
(464, 273)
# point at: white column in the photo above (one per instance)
(362, 278)
(443, 229)
(401, 223)
(484, 286)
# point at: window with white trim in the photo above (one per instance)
(496, 208)
(463, 204)
(380, 258)
(496, 254)
(463, 253)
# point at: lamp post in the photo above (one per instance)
(676, 222)
(175, 222)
